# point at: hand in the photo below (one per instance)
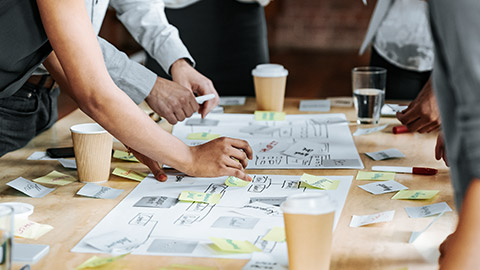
(422, 114)
(217, 158)
(172, 101)
(440, 149)
(184, 74)
(151, 164)
(444, 247)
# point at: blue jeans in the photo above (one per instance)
(25, 114)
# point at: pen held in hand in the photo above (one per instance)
(202, 99)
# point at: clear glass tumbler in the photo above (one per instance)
(368, 85)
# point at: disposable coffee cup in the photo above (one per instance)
(270, 81)
(93, 149)
(308, 228)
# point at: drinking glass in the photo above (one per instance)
(368, 85)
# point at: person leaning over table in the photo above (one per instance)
(455, 27)
(61, 33)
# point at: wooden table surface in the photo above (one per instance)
(379, 246)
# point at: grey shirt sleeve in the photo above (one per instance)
(134, 79)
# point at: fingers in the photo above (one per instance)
(242, 144)
(239, 155)
(429, 127)
(409, 115)
(238, 173)
(438, 149)
(154, 167)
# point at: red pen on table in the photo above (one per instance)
(400, 129)
(413, 170)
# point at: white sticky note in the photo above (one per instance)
(383, 187)
(305, 149)
(358, 221)
(218, 109)
(29, 188)
(259, 210)
(263, 261)
(392, 109)
(113, 241)
(385, 154)
(68, 163)
(427, 210)
(316, 105)
(232, 101)
(40, 156)
(365, 131)
(416, 234)
(99, 192)
(341, 101)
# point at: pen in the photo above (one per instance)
(413, 170)
(202, 99)
(400, 129)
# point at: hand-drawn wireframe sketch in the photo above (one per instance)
(184, 228)
(329, 135)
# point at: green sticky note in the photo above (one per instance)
(276, 234)
(236, 246)
(193, 196)
(235, 182)
(129, 174)
(56, 178)
(269, 116)
(415, 194)
(124, 156)
(187, 267)
(313, 181)
(378, 176)
(96, 261)
(202, 136)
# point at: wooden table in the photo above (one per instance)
(380, 246)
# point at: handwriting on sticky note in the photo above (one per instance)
(427, 210)
(385, 154)
(378, 176)
(383, 187)
(358, 221)
(29, 188)
(56, 178)
(96, 261)
(114, 240)
(276, 234)
(237, 246)
(202, 136)
(124, 156)
(129, 174)
(193, 196)
(415, 194)
(269, 116)
(320, 182)
(99, 192)
(29, 229)
(233, 181)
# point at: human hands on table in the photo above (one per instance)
(154, 167)
(440, 152)
(422, 114)
(184, 74)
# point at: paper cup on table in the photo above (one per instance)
(93, 149)
(308, 228)
(270, 81)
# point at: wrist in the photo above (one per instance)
(180, 64)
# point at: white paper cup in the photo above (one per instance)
(270, 81)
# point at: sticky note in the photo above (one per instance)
(202, 136)
(358, 221)
(96, 261)
(29, 188)
(187, 267)
(320, 182)
(193, 196)
(378, 176)
(269, 116)
(29, 229)
(124, 156)
(100, 192)
(236, 182)
(237, 246)
(383, 187)
(415, 194)
(427, 210)
(129, 174)
(385, 154)
(56, 178)
(276, 234)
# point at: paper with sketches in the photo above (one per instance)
(192, 196)
(358, 221)
(416, 234)
(28, 229)
(427, 210)
(263, 261)
(96, 261)
(129, 174)
(305, 150)
(258, 129)
(202, 136)
(321, 182)
(99, 192)
(316, 105)
(365, 131)
(56, 178)
(385, 154)
(415, 194)
(124, 156)
(232, 101)
(260, 210)
(269, 116)
(383, 187)
(40, 156)
(233, 181)
(276, 234)
(29, 188)
(201, 122)
(377, 176)
(231, 245)
(68, 163)
(114, 241)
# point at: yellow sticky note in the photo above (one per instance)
(379, 176)
(235, 182)
(124, 156)
(129, 174)
(415, 194)
(193, 196)
(313, 181)
(29, 229)
(237, 246)
(202, 136)
(276, 234)
(96, 261)
(269, 116)
(187, 267)
(56, 178)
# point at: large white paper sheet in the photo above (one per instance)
(183, 229)
(329, 132)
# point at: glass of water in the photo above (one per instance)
(368, 85)
(6, 237)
